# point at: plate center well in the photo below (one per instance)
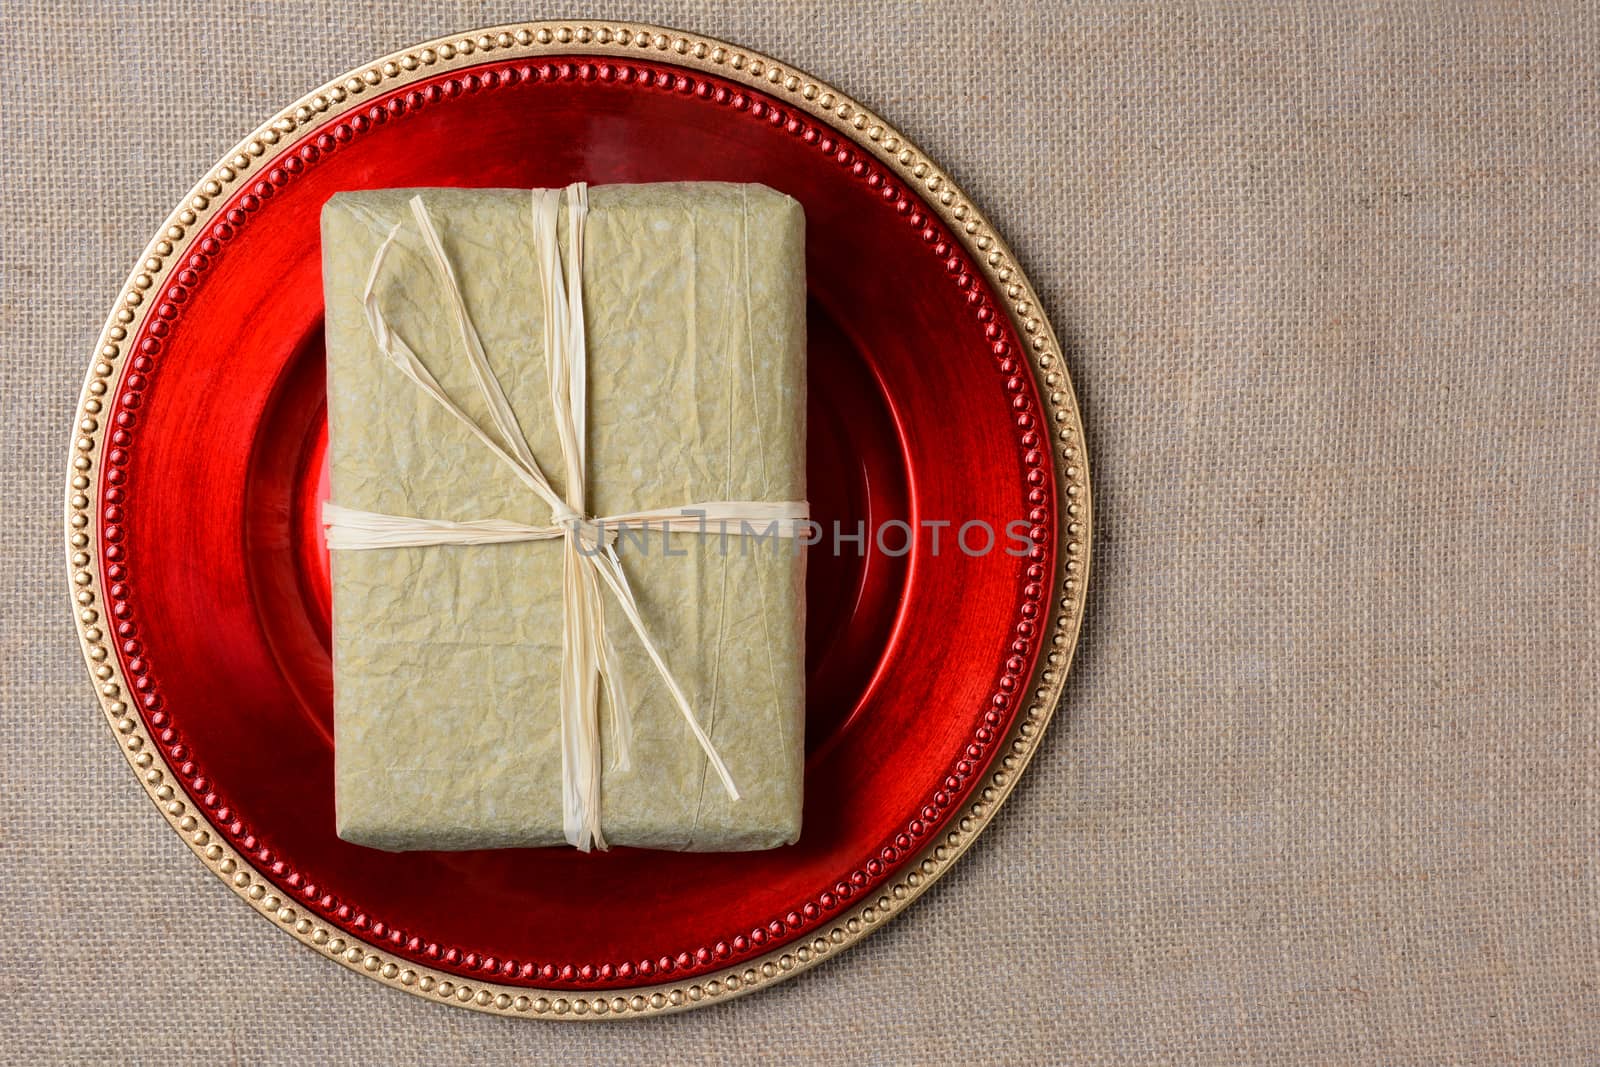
(856, 481)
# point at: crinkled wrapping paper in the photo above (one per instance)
(447, 658)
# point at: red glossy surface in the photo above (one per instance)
(919, 410)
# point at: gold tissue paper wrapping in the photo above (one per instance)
(447, 658)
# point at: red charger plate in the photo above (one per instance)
(937, 394)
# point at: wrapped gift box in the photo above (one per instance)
(447, 658)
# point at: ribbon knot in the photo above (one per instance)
(589, 658)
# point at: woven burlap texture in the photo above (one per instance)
(1326, 783)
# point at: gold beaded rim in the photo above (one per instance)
(696, 53)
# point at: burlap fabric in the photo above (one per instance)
(1327, 784)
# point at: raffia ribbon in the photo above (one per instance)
(588, 658)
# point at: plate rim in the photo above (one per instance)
(694, 52)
